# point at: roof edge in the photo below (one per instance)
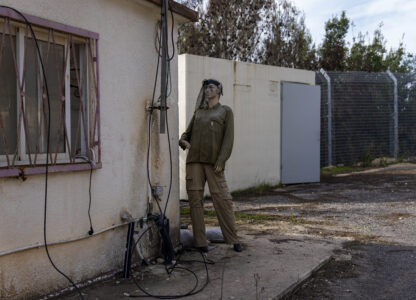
(179, 9)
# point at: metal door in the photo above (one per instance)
(300, 133)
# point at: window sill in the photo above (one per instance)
(23, 171)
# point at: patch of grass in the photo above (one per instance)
(295, 220)
(256, 190)
(185, 211)
(250, 217)
(354, 244)
(383, 162)
(401, 159)
(338, 170)
(210, 213)
(254, 217)
(365, 164)
(367, 159)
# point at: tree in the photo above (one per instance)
(226, 29)
(373, 57)
(288, 43)
(367, 57)
(274, 33)
(334, 51)
(400, 61)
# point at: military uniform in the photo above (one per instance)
(211, 135)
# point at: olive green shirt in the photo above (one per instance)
(211, 135)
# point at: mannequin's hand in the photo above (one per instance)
(184, 144)
(218, 169)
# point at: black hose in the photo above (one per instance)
(47, 152)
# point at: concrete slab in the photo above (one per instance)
(268, 268)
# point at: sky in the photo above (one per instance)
(398, 18)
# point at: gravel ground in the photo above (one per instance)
(377, 205)
(372, 214)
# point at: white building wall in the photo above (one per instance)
(253, 92)
(127, 67)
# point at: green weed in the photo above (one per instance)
(367, 159)
(256, 190)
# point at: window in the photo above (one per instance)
(70, 58)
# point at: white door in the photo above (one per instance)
(300, 144)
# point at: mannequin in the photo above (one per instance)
(209, 140)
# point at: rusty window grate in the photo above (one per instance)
(70, 57)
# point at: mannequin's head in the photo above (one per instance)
(212, 88)
(212, 91)
(209, 94)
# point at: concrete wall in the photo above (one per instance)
(127, 67)
(253, 92)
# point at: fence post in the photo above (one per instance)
(329, 103)
(396, 115)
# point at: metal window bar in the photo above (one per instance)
(29, 160)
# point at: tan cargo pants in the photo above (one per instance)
(196, 176)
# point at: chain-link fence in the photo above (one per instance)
(370, 115)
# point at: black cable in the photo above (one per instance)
(170, 154)
(193, 291)
(167, 124)
(167, 121)
(161, 219)
(163, 222)
(47, 150)
(208, 261)
(91, 232)
(170, 57)
(147, 294)
(173, 42)
(162, 212)
(150, 124)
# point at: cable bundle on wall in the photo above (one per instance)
(160, 220)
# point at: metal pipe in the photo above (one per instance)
(164, 63)
(38, 245)
(127, 256)
(395, 115)
(329, 103)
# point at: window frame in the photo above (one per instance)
(89, 46)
